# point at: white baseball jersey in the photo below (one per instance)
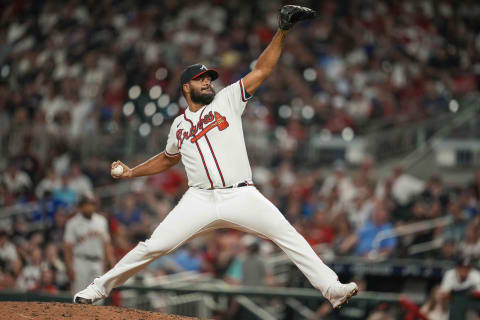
(451, 281)
(87, 235)
(211, 141)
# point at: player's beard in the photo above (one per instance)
(202, 98)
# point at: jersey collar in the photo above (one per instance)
(195, 114)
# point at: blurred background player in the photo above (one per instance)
(87, 244)
(460, 284)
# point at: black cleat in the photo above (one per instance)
(80, 300)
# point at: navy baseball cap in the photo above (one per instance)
(86, 198)
(196, 70)
(463, 261)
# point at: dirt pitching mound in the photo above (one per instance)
(70, 311)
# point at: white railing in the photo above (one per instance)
(408, 229)
(192, 304)
(425, 246)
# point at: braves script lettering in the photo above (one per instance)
(205, 124)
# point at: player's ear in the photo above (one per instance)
(185, 89)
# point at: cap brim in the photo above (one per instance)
(212, 72)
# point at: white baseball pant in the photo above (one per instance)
(200, 211)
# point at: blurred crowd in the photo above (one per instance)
(83, 83)
(339, 212)
(77, 69)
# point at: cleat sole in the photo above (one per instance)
(346, 298)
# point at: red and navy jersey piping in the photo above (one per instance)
(245, 94)
(171, 154)
(201, 154)
(215, 159)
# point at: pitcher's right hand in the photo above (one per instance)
(127, 172)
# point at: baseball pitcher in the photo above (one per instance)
(208, 139)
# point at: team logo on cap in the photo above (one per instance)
(203, 67)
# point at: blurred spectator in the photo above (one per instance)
(8, 252)
(56, 231)
(343, 233)
(255, 272)
(469, 203)
(436, 307)
(189, 257)
(470, 246)
(30, 276)
(79, 110)
(21, 231)
(339, 179)
(16, 180)
(79, 182)
(6, 197)
(448, 250)
(360, 210)
(382, 314)
(47, 282)
(129, 215)
(400, 186)
(49, 183)
(98, 172)
(163, 266)
(65, 193)
(455, 231)
(132, 218)
(435, 191)
(419, 212)
(248, 269)
(367, 236)
(56, 267)
(320, 230)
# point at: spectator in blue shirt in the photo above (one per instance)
(189, 258)
(455, 231)
(129, 214)
(379, 223)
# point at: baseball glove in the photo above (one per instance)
(289, 15)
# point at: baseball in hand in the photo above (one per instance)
(117, 171)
